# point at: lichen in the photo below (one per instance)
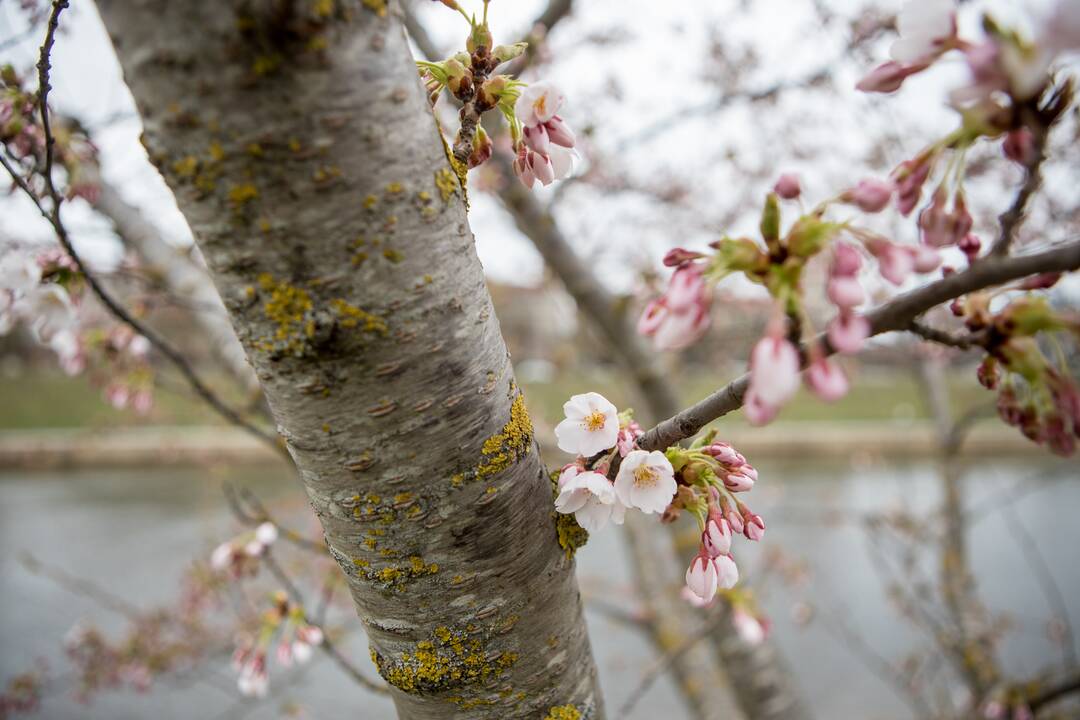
(563, 712)
(446, 183)
(241, 195)
(450, 659)
(376, 6)
(289, 308)
(510, 444)
(349, 317)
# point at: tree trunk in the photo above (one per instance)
(299, 144)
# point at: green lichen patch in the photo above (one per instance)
(450, 659)
(289, 309)
(563, 712)
(503, 449)
(510, 444)
(349, 317)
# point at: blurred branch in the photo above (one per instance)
(1044, 575)
(1051, 692)
(896, 314)
(179, 273)
(80, 586)
(237, 498)
(52, 215)
(942, 337)
(1012, 218)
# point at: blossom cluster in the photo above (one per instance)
(296, 639)
(1035, 394)
(42, 291)
(1012, 96)
(541, 140)
(239, 556)
(703, 480)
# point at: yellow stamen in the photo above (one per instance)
(595, 420)
(644, 476)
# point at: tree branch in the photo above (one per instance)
(53, 217)
(941, 337)
(1011, 219)
(896, 314)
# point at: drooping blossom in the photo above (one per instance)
(716, 538)
(895, 262)
(590, 497)
(925, 259)
(51, 311)
(847, 332)
(628, 436)
(870, 195)
(254, 681)
(826, 379)
(702, 578)
(774, 377)
(909, 178)
(927, 28)
(753, 526)
(941, 225)
(646, 481)
(680, 316)
(748, 627)
(591, 425)
(545, 152)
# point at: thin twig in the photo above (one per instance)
(1012, 218)
(54, 219)
(237, 498)
(663, 662)
(1065, 686)
(326, 646)
(1045, 577)
(942, 337)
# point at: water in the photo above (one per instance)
(135, 532)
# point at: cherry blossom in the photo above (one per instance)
(774, 377)
(591, 425)
(646, 481)
(826, 379)
(590, 497)
(846, 333)
(927, 29)
(680, 316)
(702, 578)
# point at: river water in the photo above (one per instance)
(135, 531)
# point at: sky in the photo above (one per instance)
(623, 66)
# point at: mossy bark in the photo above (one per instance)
(297, 139)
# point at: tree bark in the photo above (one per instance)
(299, 144)
(759, 678)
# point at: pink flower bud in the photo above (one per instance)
(1041, 282)
(925, 259)
(845, 292)
(679, 256)
(826, 379)
(894, 261)
(701, 577)
(735, 520)
(560, 133)
(887, 77)
(970, 245)
(846, 260)
(1019, 146)
(942, 227)
(847, 332)
(716, 539)
(870, 195)
(727, 572)
(724, 454)
(788, 186)
(754, 528)
(774, 370)
(909, 178)
(738, 482)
